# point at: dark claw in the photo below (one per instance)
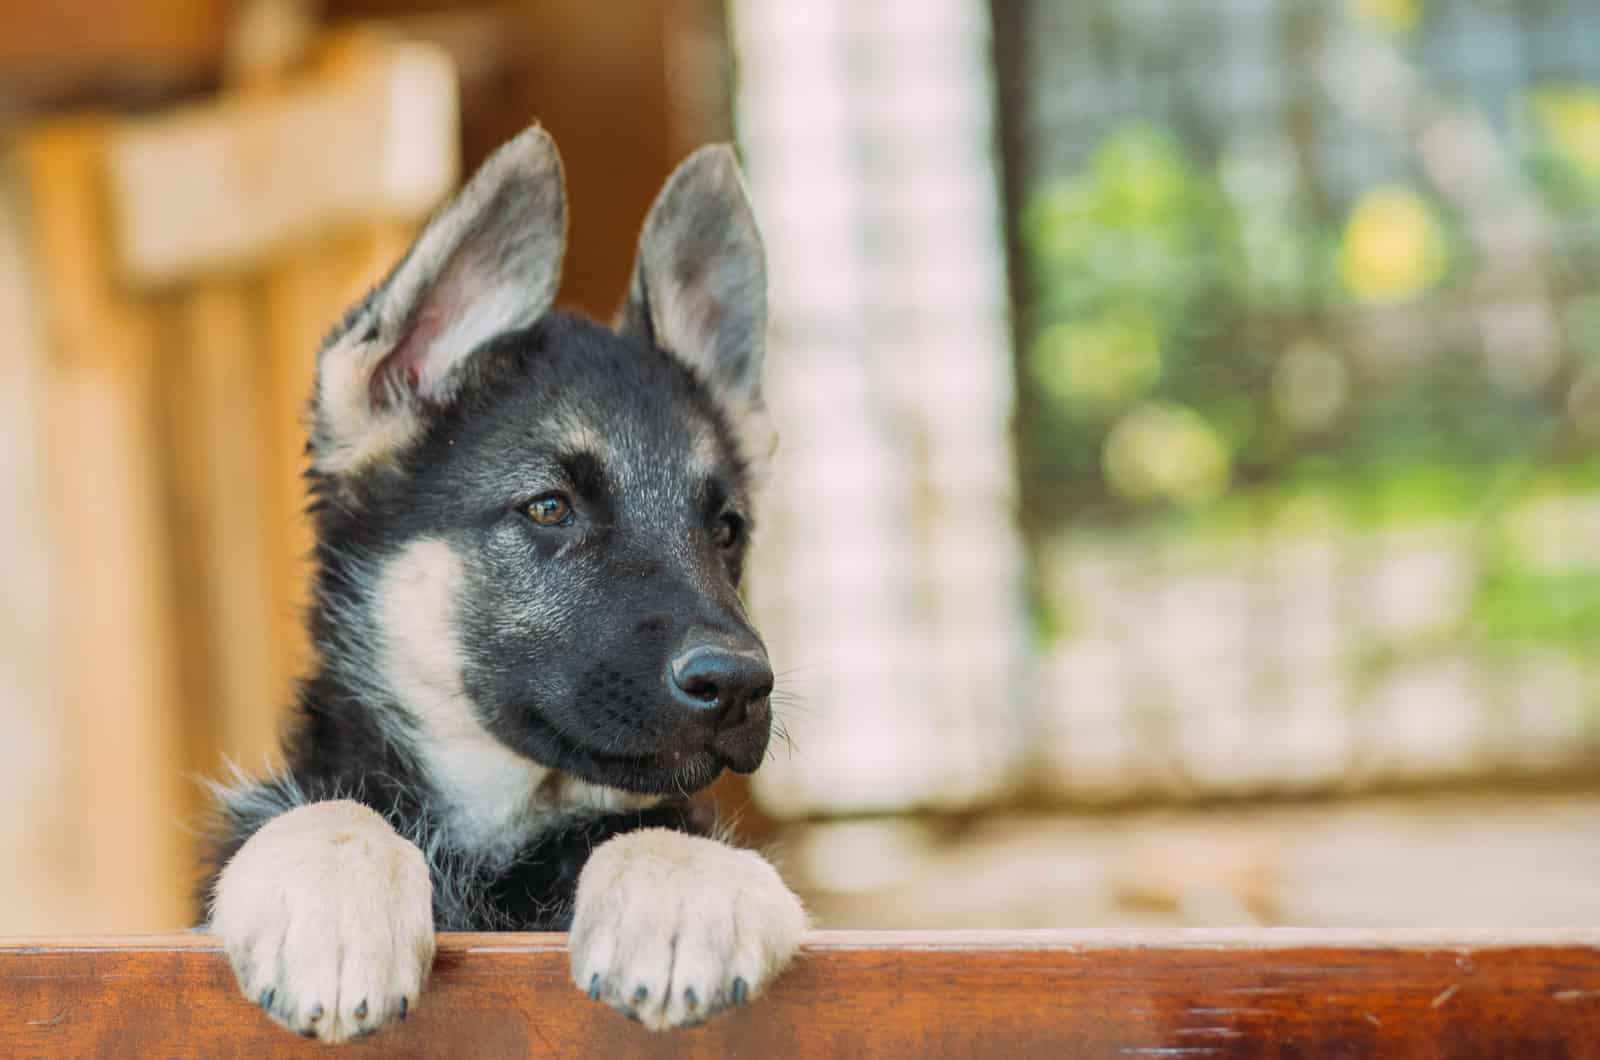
(316, 1013)
(740, 991)
(689, 997)
(640, 992)
(594, 987)
(309, 1032)
(361, 1010)
(266, 997)
(628, 1012)
(405, 1003)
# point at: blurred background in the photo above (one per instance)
(1188, 509)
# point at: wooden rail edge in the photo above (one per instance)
(1124, 994)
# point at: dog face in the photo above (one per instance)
(533, 527)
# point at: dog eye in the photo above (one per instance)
(729, 531)
(550, 509)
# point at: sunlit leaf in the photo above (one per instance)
(1308, 386)
(1393, 248)
(1569, 119)
(1391, 16)
(1165, 450)
(1100, 365)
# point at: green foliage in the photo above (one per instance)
(1194, 324)
(1250, 340)
(1566, 156)
(1127, 254)
(1137, 229)
(1540, 607)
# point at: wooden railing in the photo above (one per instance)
(903, 996)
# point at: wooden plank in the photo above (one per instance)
(31, 726)
(604, 97)
(67, 46)
(304, 296)
(223, 185)
(117, 663)
(1019, 994)
(221, 469)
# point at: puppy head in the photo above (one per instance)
(539, 521)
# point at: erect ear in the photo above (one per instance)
(699, 287)
(489, 262)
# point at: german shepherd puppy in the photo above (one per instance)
(530, 530)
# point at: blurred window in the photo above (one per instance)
(1307, 394)
(1309, 412)
(892, 573)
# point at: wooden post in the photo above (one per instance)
(188, 265)
(117, 667)
(221, 468)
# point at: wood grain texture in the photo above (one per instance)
(117, 665)
(220, 467)
(68, 47)
(900, 995)
(31, 826)
(370, 135)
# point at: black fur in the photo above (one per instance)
(461, 478)
(532, 891)
(530, 531)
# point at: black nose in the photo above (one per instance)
(721, 682)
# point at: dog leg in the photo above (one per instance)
(327, 917)
(670, 928)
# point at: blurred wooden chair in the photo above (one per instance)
(184, 267)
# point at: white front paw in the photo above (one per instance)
(327, 917)
(669, 928)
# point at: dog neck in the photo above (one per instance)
(496, 801)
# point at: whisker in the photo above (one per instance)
(782, 730)
(792, 710)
